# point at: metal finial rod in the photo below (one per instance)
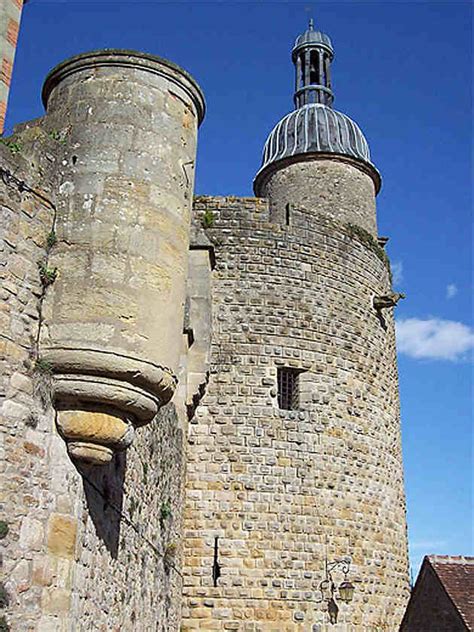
(311, 24)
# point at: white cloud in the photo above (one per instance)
(434, 338)
(451, 290)
(397, 272)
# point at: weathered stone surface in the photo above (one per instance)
(56, 601)
(90, 453)
(134, 241)
(93, 426)
(62, 532)
(329, 187)
(31, 534)
(115, 576)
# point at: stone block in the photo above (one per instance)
(31, 534)
(62, 533)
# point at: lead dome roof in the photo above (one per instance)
(315, 128)
(310, 36)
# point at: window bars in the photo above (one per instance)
(288, 388)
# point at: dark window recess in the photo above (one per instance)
(216, 567)
(288, 389)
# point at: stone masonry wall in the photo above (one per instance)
(284, 491)
(337, 189)
(82, 548)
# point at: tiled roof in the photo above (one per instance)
(456, 573)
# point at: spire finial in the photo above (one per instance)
(311, 24)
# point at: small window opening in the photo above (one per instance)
(288, 388)
(287, 214)
(216, 567)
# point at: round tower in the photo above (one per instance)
(295, 516)
(112, 322)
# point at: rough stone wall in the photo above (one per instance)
(36, 504)
(285, 490)
(10, 13)
(82, 548)
(128, 570)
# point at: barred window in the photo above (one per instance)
(288, 388)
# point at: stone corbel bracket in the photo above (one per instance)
(101, 396)
(387, 300)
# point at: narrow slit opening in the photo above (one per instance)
(216, 568)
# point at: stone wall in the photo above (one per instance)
(334, 187)
(284, 491)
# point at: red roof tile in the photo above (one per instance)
(456, 573)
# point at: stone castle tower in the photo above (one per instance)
(199, 395)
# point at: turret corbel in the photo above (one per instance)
(385, 301)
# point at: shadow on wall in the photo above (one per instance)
(103, 488)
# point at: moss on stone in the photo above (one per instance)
(371, 243)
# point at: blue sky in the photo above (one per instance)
(403, 72)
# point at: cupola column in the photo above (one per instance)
(307, 70)
(327, 69)
(298, 75)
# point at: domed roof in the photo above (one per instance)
(311, 37)
(315, 128)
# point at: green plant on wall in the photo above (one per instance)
(47, 275)
(371, 243)
(13, 146)
(169, 555)
(208, 219)
(3, 529)
(43, 366)
(57, 136)
(51, 240)
(4, 598)
(165, 511)
(4, 627)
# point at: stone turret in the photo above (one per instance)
(113, 320)
(315, 156)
